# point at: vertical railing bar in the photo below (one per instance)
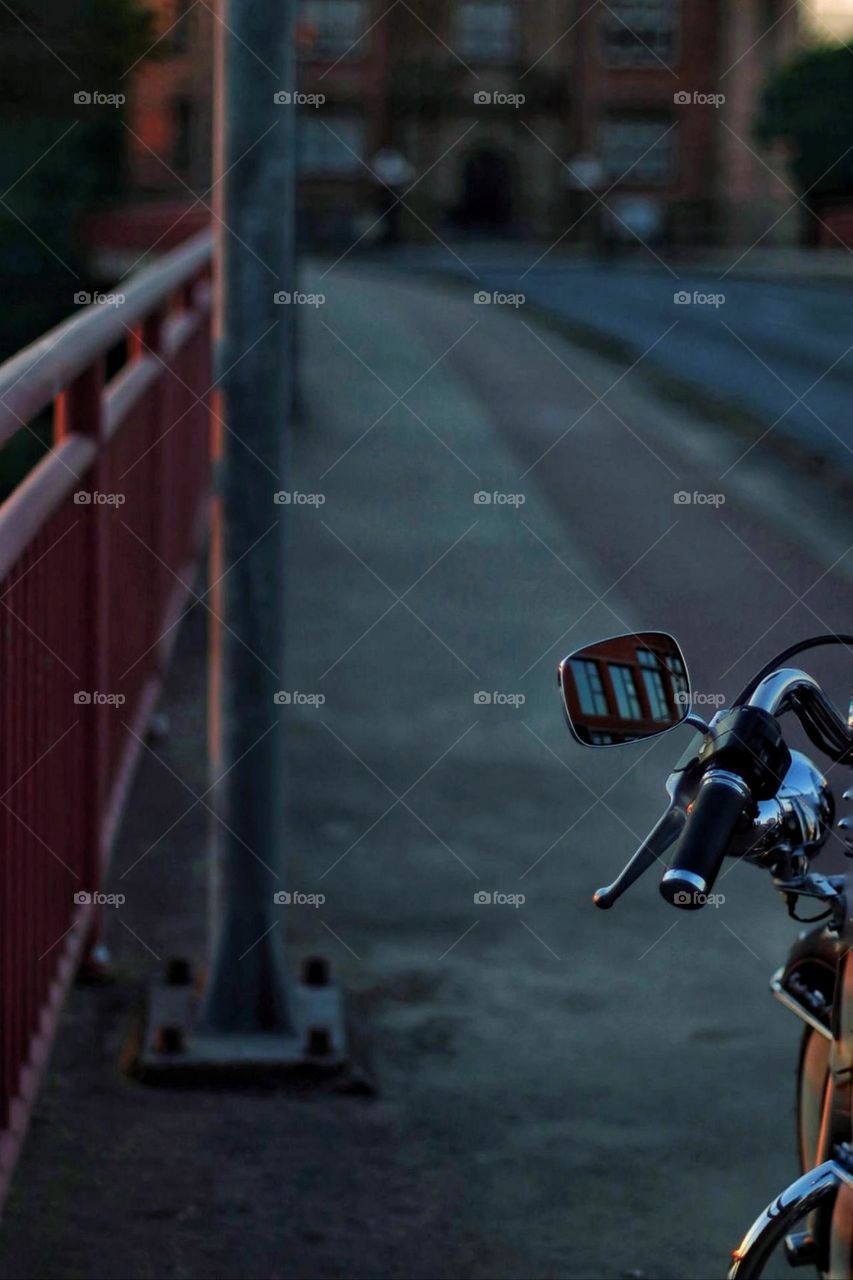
(148, 336)
(6, 949)
(80, 410)
(18, 655)
(22, 798)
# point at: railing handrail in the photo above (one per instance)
(93, 590)
(33, 377)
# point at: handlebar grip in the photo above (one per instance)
(711, 823)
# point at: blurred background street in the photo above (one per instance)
(541, 1066)
(775, 349)
(575, 355)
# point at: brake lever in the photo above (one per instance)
(662, 835)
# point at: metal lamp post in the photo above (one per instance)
(251, 1014)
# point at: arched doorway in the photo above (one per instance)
(486, 202)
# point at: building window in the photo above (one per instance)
(590, 689)
(335, 151)
(331, 28)
(486, 30)
(639, 150)
(640, 33)
(654, 685)
(627, 698)
(677, 678)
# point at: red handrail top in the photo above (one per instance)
(33, 377)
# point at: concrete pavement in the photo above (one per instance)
(563, 1092)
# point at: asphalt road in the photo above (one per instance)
(781, 353)
(614, 1091)
(563, 1092)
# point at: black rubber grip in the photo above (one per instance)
(711, 823)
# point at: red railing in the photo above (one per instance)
(97, 545)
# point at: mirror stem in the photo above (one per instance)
(697, 722)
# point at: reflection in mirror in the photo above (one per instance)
(625, 688)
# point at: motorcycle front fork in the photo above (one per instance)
(813, 1217)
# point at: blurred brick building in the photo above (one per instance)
(171, 103)
(755, 38)
(459, 73)
(344, 55)
(634, 86)
(168, 158)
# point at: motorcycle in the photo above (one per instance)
(744, 793)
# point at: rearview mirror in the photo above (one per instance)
(625, 689)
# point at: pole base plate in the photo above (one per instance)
(172, 1051)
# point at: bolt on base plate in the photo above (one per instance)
(172, 1051)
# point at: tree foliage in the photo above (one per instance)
(808, 105)
(59, 157)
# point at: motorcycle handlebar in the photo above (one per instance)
(711, 823)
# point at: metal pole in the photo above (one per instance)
(248, 988)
